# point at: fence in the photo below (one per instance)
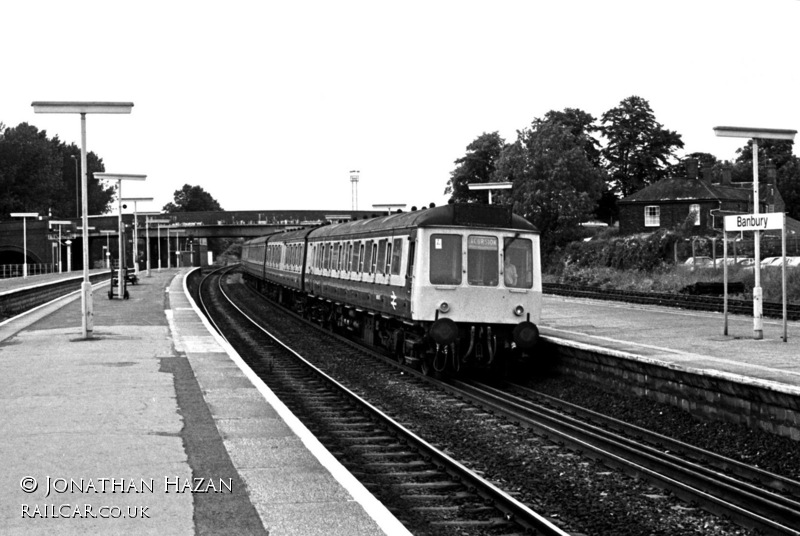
(15, 270)
(737, 248)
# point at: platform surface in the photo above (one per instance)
(151, 427)
(691, 340)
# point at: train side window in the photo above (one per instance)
(412, 246)
(397, 254)
(337, 252)
(387, 266)
(366, 257)
(374, 257)
(518, 263)
(357, 249)
(445, 258)
(381, 260)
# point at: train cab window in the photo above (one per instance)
(518, 263)
(381, 259)
(445, 257)
(482, 264)
(397, 255)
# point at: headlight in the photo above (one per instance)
(519, 310)
(444, 307)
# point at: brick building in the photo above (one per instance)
(697, 199)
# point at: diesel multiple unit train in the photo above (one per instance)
(445, 288)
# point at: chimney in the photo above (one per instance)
(726, 174)
(691, 167)
(707, 172)
(772, 173)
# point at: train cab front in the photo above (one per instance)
(479, 295)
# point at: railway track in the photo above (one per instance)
(430, 492)
(755, 498)
(683, 301)
(726, 488)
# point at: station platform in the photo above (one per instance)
(680, 339)
(154, 426)
(12, 284)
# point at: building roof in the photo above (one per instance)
(683, 189)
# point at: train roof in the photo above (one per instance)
(462, 215)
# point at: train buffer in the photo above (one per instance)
(712, 288)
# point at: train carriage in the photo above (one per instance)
(444, 287)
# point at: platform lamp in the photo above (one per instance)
(24, 216)
(134, 200)
(83, 108)
(756, 134)
(490, 186)
(59, 223)
(119, 177)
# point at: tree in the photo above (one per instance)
(787, 167)
(638, 147)
(192, 199)
(477, 166)
(38, 175)
(555, 183)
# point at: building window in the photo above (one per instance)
(652, 216)
(694, 210)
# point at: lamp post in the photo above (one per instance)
(490, 186)
(83, 108)
(108, 247)
(77, 188)
(177, 247)
(148, 222)
(134, 200)
(119, 177)
(59, 223)
(69, 255)
(24, 216)
(755, 134)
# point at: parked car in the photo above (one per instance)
(777, 262)
(700, 262)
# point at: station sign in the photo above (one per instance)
(754, 222)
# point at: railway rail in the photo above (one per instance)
(455, 395)
(684, 301)
(755, 498)
(426, 487)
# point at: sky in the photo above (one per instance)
(270, 104)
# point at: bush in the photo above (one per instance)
(636, 252)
